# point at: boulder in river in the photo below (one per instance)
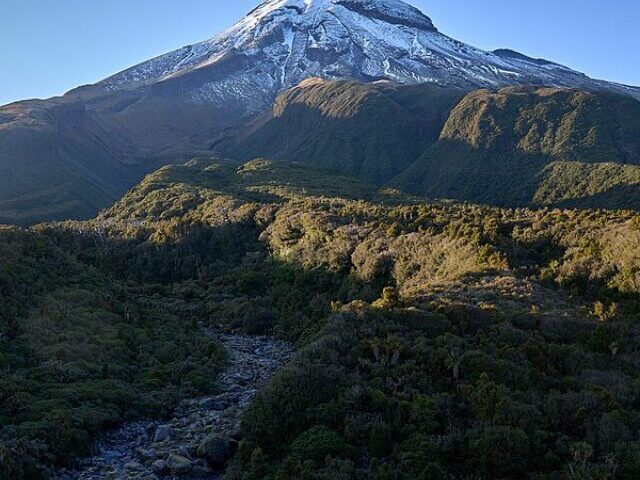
(163, 432)
(134, 466)
(159, 466)
(216, 450)
(178, 465)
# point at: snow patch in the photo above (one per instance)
(287, 41)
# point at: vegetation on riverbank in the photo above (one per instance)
(440, 340)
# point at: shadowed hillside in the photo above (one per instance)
(514, 147)
(368, 131)
(69, 157)
(530, 146)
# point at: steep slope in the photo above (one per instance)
(368, 131)
(61, 164)
(282, 42)
(523, 146)
(57, 160)
(67, 158)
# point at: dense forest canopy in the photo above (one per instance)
(436, 340)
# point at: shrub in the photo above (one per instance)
(499, 452)
(317, 443)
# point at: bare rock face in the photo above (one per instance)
(178, 465)
(159, 466)
(163, 432)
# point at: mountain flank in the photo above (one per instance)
(435, 340)
(534, 146)
(372, 132)
(69, 157)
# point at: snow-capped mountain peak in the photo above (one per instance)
(282, 42)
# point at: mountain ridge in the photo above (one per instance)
(370, 131)
(529, 146)
(78, 153)
(353, 39)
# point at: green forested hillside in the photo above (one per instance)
(438, 340)
(369, 131)
(524, 146)
(520, 146)
(589, 185)
(82, 349)
(527, 146)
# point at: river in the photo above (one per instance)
(201, 435)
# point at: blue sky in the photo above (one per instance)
(48, 47)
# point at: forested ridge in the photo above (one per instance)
(534, 147)
(435, 340)
(510, 147)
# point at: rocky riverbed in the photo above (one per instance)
(203, 433)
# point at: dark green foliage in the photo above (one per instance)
(499, 451)
(81, 353)
(317, 443)
(436, 340)
(368, 131)
(527, 146)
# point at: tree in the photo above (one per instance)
(453, 361)
(500, 451)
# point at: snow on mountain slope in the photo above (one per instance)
(68, 157)
(282, 42)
